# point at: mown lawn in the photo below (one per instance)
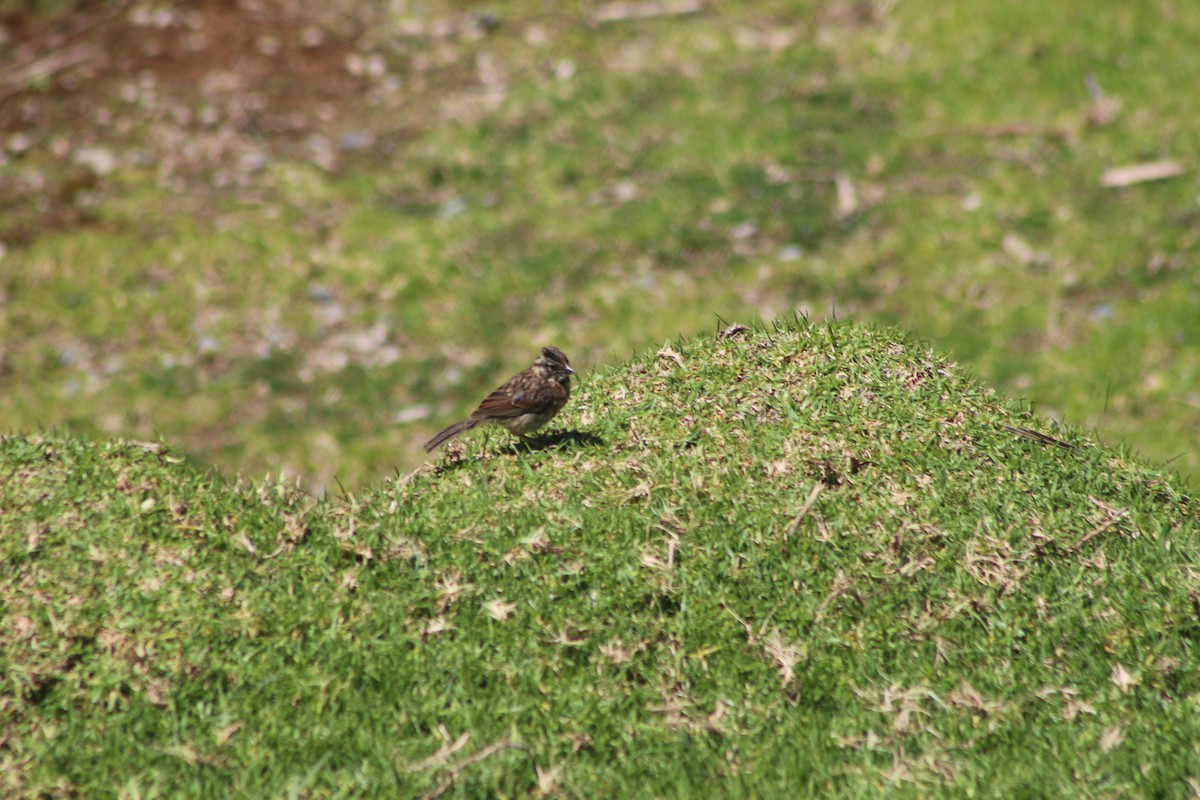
(802, 561)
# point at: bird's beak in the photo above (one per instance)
(570, 370)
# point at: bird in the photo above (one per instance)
(526, 401)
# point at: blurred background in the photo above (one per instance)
(300, 238)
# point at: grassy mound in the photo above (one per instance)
(807, 559)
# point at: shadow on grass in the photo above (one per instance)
(563, 440)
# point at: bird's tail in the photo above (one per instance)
(450, 433)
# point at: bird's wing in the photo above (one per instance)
(510, 401)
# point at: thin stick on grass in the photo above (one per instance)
(1115, 516)
(818, 487)
(1039, 437)
(486, 752)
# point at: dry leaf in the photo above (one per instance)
(785, 657)
(156, 691)
(1111, 738)
(436, 626)
(642, 490)
(651, 561)
(225, 734)
(666, 351)
(1076, 707)
(547, 778)
(1122, 678)
(716, 719)
(499, 609)
(615, 652)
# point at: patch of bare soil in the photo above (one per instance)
(203, 95)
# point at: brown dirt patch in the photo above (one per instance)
(202, 95)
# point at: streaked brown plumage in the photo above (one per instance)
(526, 402)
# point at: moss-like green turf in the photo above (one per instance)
(800, 561)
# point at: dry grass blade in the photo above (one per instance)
(847, 196)
(624, 12)
(785, 656)
(841, 584)
(1118, 177)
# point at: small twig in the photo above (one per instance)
(1092, 534)
(840, 584)
(1119, 177)
(20, 78)
(439, 758)
(487, 752)
(1039, 437)
(276, 552)
(1115, 516)
(818, 487)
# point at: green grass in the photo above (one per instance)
(611, 186)
(806, 560)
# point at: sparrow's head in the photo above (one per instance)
(553, 364)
